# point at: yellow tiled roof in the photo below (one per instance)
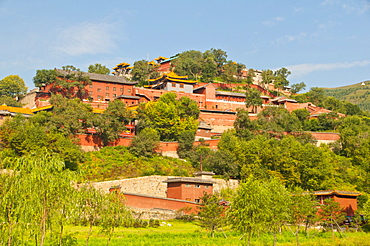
(16, 109)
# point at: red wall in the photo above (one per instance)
(187, 191)
(148, 202)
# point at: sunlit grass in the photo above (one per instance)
(186, 233)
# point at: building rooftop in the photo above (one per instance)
(104, 78)
(189, 180)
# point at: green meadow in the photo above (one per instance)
(188, 233)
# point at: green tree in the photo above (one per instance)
(253, 99)
(98, 68)
(12, 86)
(303, 210)
(248, 208)
(331, 214)
(45, 77)
(281, 78)
(43, 185)
(112, 121)
(230, 72)
(189, 63)
(220, 58)
(186, 142)
(168, 116)
(267, 78)
(298, 87)
(145, 143)
(71, 82)
(211, 213)
(143, 71)
(9, 101)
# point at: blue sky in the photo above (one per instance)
(324, 43)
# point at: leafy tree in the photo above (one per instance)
(112, 121)
(168, 116)
(69, 116)
(143, 71)
(331, 214)
(186, 141)
(43, 185)
(248, 210)
(189, 63)
(9, 101)
(145, 143)
(230, 71)
(98, 68)
(211, 213)
(20, 136)
(298, 87)
(253, 99)
(278, 120)
(12, 86)
(267, 78)
(209, 68)
(250, 76)
(220, 58)
(244, 126)
(303, 210)
(71, 82)
(281, 78)
(45, 77)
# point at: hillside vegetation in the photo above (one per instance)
(357, 94)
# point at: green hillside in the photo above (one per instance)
(357, 94)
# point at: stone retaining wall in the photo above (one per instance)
(154, 186)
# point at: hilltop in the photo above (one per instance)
(358, 94)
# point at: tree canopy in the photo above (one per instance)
(98, 68)
(12, 86)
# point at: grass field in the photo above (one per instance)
(181, 233)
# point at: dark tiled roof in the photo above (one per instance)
(337, 192)
(189, 180)
(128, 97)
(226, 93)
(105, 78)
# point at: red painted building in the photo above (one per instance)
(346, 199)
(190, 189)
(103, 88)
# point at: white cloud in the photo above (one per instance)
(274, 21)
(291, 38)
(86, 38)
(303, 69)
(359, 7)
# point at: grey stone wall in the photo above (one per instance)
(154, 186)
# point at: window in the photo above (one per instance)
(121, 89)
(197, 186)
(206, 186)
(99, 97)
(107, 94)
(107, 88)
(114, 88)
(114, 95)
(91, 86)
(173, 84)
(90, 93)
(98, 89)
(181, 85)
(197, 200)
(187, 185)
(129, 90)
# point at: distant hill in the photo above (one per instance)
(357, 94)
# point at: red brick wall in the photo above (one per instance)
(349, 204)
(325, 135)
(187, 191)
(147, 202)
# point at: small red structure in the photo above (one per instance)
(346, 199)
(190, 189)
